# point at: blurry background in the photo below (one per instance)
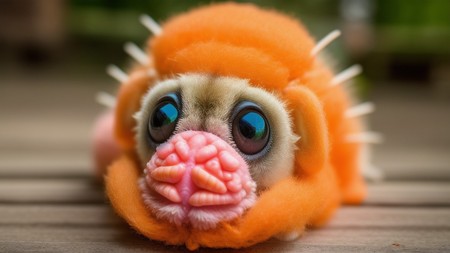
(53, 55)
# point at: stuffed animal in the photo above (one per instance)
(230, 130)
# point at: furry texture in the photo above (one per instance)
(207, 104)
(272, 52)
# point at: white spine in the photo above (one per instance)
(150, 24)
(105, 99)
(137, 116)
(136, 53)
(360, 110)
(365, 137)
(325, 41)
(347, 74)
(116, 73)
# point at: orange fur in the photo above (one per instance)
(273, 52)
(243, 26)
(128, 103)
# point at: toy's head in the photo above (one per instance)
(224, 147)
(208, 145)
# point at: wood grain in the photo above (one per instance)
(94, 215)
(87, 190)
(56, 191)
(50, 202)
(81, 239)
(409, 193)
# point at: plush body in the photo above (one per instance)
(213, 58)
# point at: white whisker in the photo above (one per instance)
(347, 74)
(365, 137)
(325, 41)
(136, 53)
(150, 24)
(360, 110)
(372, 173)
(116, 73)
(105, 99)
(137, 116)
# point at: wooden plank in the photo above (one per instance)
(56, 191)
(346, 217)
(48, 128)
(411, 116)
(45, 239)
(409, 193)
(406, 163)
(54, 163)
(82, 190)
(49, 111)
(379, 240)
(415, 124)
(391, 217)
(58, 215)
(398, 164)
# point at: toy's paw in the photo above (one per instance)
(105, 148)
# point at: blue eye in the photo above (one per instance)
(163, 121)
(253, 126)
(164, 115)
(250, 128)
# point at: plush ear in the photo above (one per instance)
(128, 103)
(310, 124)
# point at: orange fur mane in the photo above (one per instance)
(273, 52)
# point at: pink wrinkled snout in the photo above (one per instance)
(197, 178)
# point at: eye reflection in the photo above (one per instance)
(166, 114)
(253, 126)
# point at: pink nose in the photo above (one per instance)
(200, 178)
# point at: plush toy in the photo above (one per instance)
(230, 130)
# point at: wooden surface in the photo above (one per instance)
(49, 201)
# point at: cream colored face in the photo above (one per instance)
(209, 104)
